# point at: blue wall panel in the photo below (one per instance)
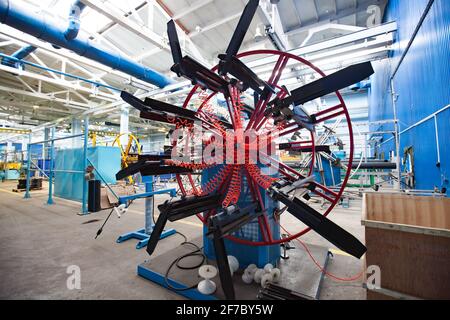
(69, 185)
(422, 84)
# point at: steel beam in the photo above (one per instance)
(191, 8)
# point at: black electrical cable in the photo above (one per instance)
(99, 231)
(197, 252)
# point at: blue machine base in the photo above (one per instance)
(143, 237)
(158, 278)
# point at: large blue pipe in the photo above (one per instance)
(43, 26)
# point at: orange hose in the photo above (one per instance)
(332, 276)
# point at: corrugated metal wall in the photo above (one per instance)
(422, 84)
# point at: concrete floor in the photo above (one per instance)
(39, 242)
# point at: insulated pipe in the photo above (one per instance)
(42, 26)
(71, 33)
(74, 20)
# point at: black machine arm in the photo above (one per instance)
(230, 64)
(290, 146)
(316, 221)
(191, 69)
(150, 168)
(238, 69)
(221, 225)
(322, 87)
(232, 218)
(242, 27)
(180, 209)
(152, 106)
(161, 111)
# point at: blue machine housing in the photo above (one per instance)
(331, 172)
(259, 255)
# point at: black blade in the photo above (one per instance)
(191, 205)
(154, 157)
(242, 27)
(157, 116)
(323, 226)
(150, 168)
(157, 110)
(191, 69)
(169, 108)
(134, 101)
(156, 232)
(327, 85)
(238, 69)
(174, 42)
(229, 222)
(180, 209)
(293, 147)
(226, 279)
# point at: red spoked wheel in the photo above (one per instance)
(228, 178)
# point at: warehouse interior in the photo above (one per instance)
(224, 149)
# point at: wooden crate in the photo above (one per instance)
(408, 237)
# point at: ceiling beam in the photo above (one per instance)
(186, 38)
(43, 96)
(60, 82)
(23, 38)
(191, 8)
(215, 24)
(30, 105)
(116, 16)
(362, 7)
(271, 18)
(365, 34)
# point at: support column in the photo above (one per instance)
(124, 128)
(76, 129)
(27, 192)
(50, 174)
(149, 206)
(45, 150)
(8, 150)
(85, 164)
(398, 172)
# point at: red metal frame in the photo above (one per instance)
(256, 121)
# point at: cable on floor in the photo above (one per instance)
(177, 262)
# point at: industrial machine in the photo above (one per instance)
(242, 198)
(129, 151)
